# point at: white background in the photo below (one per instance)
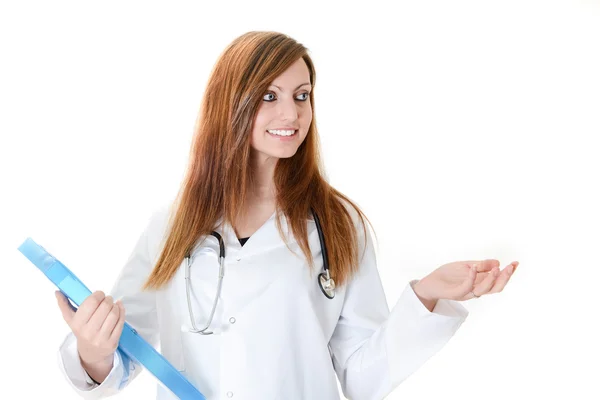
(465, 129)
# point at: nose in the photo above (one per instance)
(288, 110)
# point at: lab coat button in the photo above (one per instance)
(229, 394)
(232, 320)
(238, 259)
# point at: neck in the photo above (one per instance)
(264, 168)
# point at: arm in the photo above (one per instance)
(429, 303)
(141, 314)
(374, 350)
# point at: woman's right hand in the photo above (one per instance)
(97, 325)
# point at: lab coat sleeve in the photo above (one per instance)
(374, 350)
(140, 313)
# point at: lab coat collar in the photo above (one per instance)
(265, 238)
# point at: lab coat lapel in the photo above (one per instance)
(260, 266)
(264, 239)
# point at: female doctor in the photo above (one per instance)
(297, 298)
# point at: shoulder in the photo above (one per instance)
(158, 220)
(365, 230)
(355, 212)
(157, 228)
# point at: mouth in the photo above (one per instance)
(283, 134)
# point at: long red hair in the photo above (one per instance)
(218, 177)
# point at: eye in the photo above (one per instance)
(268, 94)
(273, 94)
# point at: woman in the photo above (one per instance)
(280, 328)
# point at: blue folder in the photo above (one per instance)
(131, 345)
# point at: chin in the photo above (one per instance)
(286, 154)
(290, 153)
(270, 152)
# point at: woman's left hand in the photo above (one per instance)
(463, 280)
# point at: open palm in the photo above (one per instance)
(463, 280)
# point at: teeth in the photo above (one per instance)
(282, 133)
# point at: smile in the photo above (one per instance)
(285, 133)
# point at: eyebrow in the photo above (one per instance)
(307, 83)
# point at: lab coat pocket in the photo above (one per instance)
(169, 323)
(171, 347)
(189, 352)
(201, 359)
(174, 353)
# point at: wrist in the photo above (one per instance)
(98, 371)
(422, 291)
(427, 300)
(108, 360)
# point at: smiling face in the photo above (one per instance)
(285, 107)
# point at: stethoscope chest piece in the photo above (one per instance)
(327, 285)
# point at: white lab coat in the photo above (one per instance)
(276, 335)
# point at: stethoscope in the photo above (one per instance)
(324, 280)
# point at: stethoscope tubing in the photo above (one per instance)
(324, 280)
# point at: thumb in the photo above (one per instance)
(65, 307)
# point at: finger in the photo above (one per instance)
(69, 302)
(95, 323)
(87, 308)
(487, 283)
(480, 277)
(465, 289)
(65, 307)
(469, 282)
(503, 278)
(110, 321)
(485, 265)
(116, 333)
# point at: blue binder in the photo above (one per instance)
(131, 344)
